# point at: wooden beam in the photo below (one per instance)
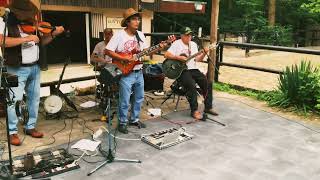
(213, 38)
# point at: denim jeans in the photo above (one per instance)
(29, 82)
(134, 81)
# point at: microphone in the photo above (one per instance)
(4, 12)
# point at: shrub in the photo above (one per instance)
(299, 86)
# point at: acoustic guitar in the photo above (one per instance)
(174, 68)
(127, 67)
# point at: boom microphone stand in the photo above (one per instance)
(4, 87)
(110, 157)
(205, 116)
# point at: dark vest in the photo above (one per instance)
(13, 55)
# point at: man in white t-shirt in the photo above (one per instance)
(98, 55)
(180, 50)
(22, 55)
(129, 40)
(125, 41)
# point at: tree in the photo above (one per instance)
(313, 6)
(272, 12)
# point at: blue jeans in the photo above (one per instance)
(134, 81)
(29, 82)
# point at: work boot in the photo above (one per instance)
(34, 133)
(138, 124)
(123, 128)
(14, 140)
(211, 111)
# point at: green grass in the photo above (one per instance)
(265, 96)
(238, 90)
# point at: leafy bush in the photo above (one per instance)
(299, 86)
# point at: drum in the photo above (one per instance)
(110, 74)
(53, 104)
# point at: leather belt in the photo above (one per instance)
(28, 65)
(137, 70)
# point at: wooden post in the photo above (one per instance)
(213, 38)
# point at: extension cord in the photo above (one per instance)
(97, 134)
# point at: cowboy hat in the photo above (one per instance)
(127, 14)
(25, 9)
(26, 5)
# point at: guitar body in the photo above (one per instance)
(173, 68)
(126, 67)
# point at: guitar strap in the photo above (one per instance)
(138, 39)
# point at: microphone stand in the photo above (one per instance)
(4, 86)
(205, 116)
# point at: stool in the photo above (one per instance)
(178, 89)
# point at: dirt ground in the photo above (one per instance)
(260, 58)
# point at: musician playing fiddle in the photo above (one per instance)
(22, 55)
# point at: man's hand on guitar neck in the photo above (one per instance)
(201, 56)
(171, 38)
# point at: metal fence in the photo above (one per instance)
(219, 60)
(219, 57)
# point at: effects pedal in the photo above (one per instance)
(166, 138)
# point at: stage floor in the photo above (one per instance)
(254, 145)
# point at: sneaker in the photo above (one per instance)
(14, 140)
(197, 115)
(159, 93)
(34, 133)
(211, 111)
(138, 124)
(123, 128)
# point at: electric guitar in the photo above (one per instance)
(174, 68)
(126, 67)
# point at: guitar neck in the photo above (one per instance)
(193, 56)
(211, 46)
(148, 51)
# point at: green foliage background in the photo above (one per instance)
(249, 18)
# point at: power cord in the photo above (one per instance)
(52, 137)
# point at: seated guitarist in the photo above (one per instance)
(129, 40)
(179, 51)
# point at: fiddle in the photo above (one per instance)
(43, 27)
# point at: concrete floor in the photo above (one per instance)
(254, 145)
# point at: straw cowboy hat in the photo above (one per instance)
(25, 9)
(127, 14)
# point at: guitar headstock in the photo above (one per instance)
(171, 39)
